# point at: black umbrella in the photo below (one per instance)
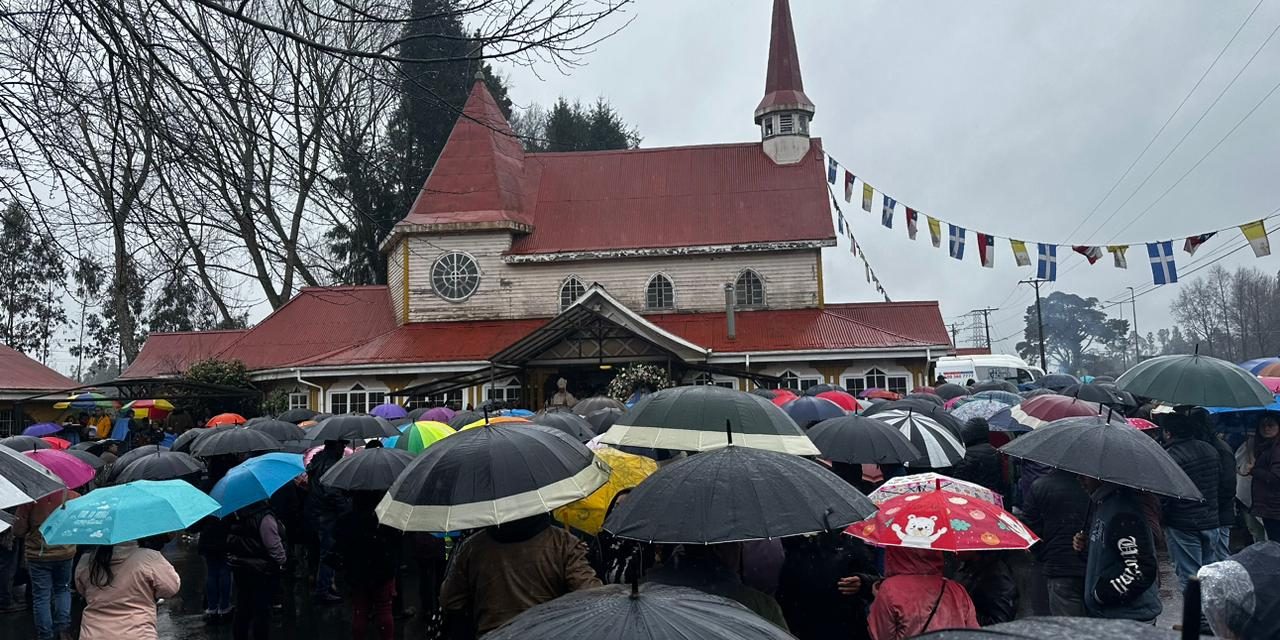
(810, 410)
(373, 469)
(925, 397)
(1104, 380)
(602, 419)
(130, 457)
(183, 442)
(1095, 393)
(823, 388)
(939, 444)
(464, 418)
(1058, 628)
(1241, 594)
(1041, 391)
(352, 426)
(568, 422)
(950, 390)
(165, 465)
(87, 458)
(1057, 382)
(482, 477)
(83, 445)
(1110, 451)
(734, 494)
(297, 415)
(645, 612)
(24, 443)
(767, 394)
(995, 385)
(862, 440)
(596, 403)
(693, 419)
(279, 429)
(938, 414)
(23, 480)
(235, 440)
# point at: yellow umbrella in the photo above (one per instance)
(495, 420)
(628, 470)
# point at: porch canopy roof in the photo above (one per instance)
(129, 389)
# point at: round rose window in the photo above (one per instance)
(455, 276)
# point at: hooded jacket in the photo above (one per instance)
(1266, 481)
(126, 607)
(916, 598)
(1056, 509)
(1120, 576)
(981, 463)
(1201, 463)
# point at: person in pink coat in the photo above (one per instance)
(915, 597)
(120, 585)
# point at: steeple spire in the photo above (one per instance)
(785, 111)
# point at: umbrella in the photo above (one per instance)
(296, 415)
(810, 410)
(1195, 379)
(436, 414)
(389, 411)
(422, 434)
(1003, 397)
(1110, 451)
(940, 445)
(843, 400)
(373, 469)
(1241, 594)
(939, 414)
(694, 419)
(279, 429)
(1057, 381)
(464, 418)
(88, 458)
(602, 419)
(184, 442)
(1041, 410)
(309, 454)
(6, 521)
(1256, 365)
(153, 409)
(57, 443)
(254, 480)
(944, 521)
(879, 394)
(1040, 391)
(596, 403)
(1141, 424)
(352, 426)
(225, 419)
(977, 409)
(625, 472)
(516, 413)
(489, 476)
(648, 611)
(823, 388)
(995, 385)
(734, 494)
(485, 422)
(1101, 394)
(112, 515)
(931, 398)
(86, 401)
(782, 396)
(1058, 628)
(235, 440)
(1003, 421)
(862, 440)
(767, 394)
(570, 423)
(42, 429)
(70, 469)
(165, 465)
(129, 458)
(925, 389)
(950, 390)
(24, 443)
(23, 480)
(1272, 384)
(927, 482)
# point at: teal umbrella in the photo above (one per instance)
(1195, 379)
(125, 512)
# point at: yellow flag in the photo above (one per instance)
(867, 192)
(1117, 255)
(1020, 254)
(935, 231)
(1256, 234)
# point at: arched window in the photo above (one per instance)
(749, 290)
(659, 293)
(570, 291)
(705, 379)
(791, 380)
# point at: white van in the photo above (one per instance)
(961, 369)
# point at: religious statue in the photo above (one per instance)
(562, 397)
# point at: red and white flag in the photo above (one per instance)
(1092, 254)
(987, 250)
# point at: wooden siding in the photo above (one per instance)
(533, 290)
(397, 261)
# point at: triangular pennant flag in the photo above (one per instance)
(935, 231)
(848, 185)
(853, 245)
(1020, 253)
(1117, 254)
(1194, 242)
(886, 212)
(1093, 254)
(867, 192)
(867, 268)
(987, 250)
(1256, 234)
(956, 242)
(1163, 269)
(911, 223)
(1047, 264)
(840, 224)
(831, 170)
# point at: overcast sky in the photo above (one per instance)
(1012, 118)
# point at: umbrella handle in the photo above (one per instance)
(1191, 609)
(728, 430)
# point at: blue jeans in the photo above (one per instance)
(1222, 548)
(50, 584)
(1189, 551)
(217, 585)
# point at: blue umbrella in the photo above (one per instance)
(810, 410)
(1240, 420)
(516, 413)
(42, 429)
(1257, 364)
(125, 512)
(255, 479)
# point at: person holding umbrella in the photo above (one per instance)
(256, 555)
(915, 597)
(1264, 472)
(1120, 565)
(1191, 528)
(1055, 507)
(322, 509)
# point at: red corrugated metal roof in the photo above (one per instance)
(167, 354)
(317, 321)
(783, 84)
(21, 373)
(433, 342)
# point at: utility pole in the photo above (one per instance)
(955, 333)
(1137, 344)
(986, 323)
(1036, 282)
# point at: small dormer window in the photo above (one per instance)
(786, 123)
(804, 124)
(768, 126)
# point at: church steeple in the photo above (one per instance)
(785, 111)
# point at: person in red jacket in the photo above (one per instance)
(915, 597)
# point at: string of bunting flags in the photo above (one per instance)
(846, 229)
(1160, 253)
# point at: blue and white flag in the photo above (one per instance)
(831, 170)
(956, 244)
(886, 213)
(1047, 265)
(1163, 270)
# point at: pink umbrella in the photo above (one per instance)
(1272, 384)
(438, 414)
(311, 453)
(951, 404)
(1141, 424)
(73, 471)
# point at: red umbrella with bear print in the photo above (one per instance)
(943, 521)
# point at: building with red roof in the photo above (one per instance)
(20, 377)
(514, 269)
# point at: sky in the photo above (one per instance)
(1007, 117)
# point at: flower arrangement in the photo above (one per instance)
(635, 376)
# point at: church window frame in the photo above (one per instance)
(357, 398)
(791, 380)
(509, 392)
(786, 123)
(455, 276)
(571, 289)
(660, 293)
(748, 289)
(767, 123)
